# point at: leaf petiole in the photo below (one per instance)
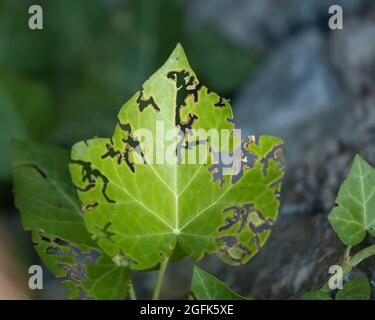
(352, 262)
(347, 254)
(362, 255)
(132, 294)
(159, 280)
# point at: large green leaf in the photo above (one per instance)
(206, 287)
(50, 209)
(357, 289)
(354, 214)
(151, 209)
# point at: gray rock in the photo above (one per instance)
(294, 260)
(313, 182)
(353, 52)
(296, 95)
(260, 24)
(323, 90)
(325, 121)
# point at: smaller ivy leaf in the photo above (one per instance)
(316, 295)
(50, 209)
(357, 289)
(204, 286)
(355, 210)
(107, 281)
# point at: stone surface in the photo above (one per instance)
(294, 260)
(260, 24)
(302, 245)
(352, 51)
(314, 180)
(296, 95)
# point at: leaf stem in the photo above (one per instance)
(159, 280)
(132, 294)
(347, 253)
(352, 262)
(362, 255)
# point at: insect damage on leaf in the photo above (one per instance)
(50, 209)
(156, 185)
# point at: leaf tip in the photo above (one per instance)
(178, 58)
(358, 159)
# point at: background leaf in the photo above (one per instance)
(204, 286)
(357, 289)
(50, 210)
(355, 211)
(216, 71)
(22, 102)
(201, 209)
(95, 46)
(316, 295)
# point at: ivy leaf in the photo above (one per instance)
(21, 104)
(205, 286)
(353, 290)
(152, 209)
(357, 289)
(354, 214)
(316, 295)
(50, 209)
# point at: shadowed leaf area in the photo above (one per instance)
(50, 209)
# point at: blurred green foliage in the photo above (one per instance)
(66, 82)
(25, 112)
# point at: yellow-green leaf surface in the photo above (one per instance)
(354, 214)
(50, 209)
(204, 286)
(140, 212)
